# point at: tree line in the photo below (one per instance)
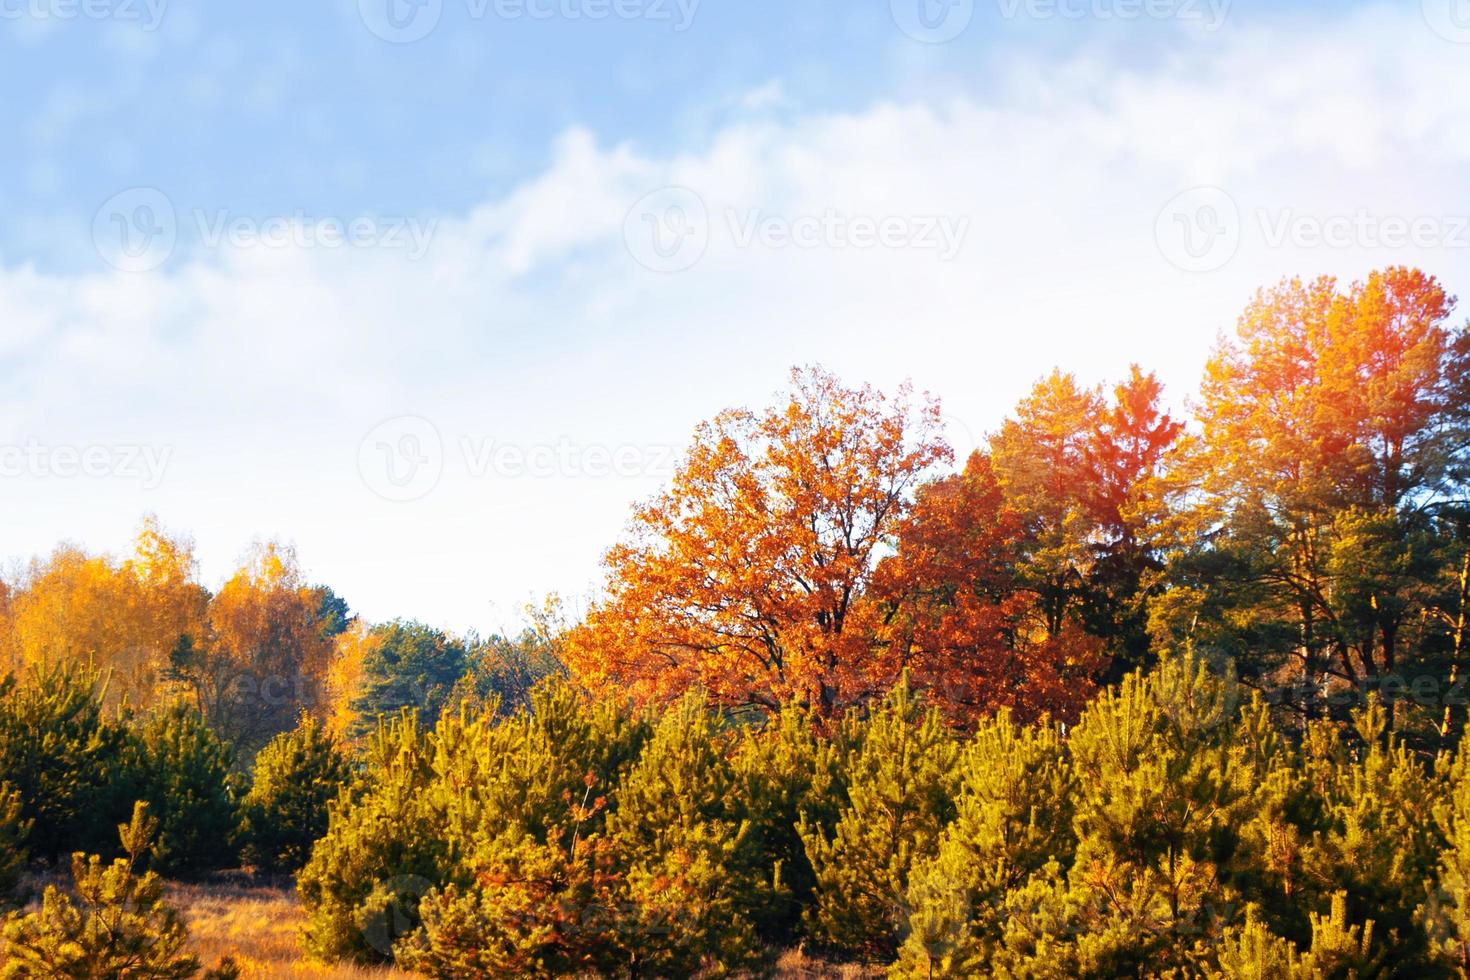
(1127, 691)
(254, 655)
(1308, 521)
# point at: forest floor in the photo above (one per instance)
(258, 924)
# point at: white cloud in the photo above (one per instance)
(530, 323)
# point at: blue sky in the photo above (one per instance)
(352, 256)
(277, 105)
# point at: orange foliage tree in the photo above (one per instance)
(1085, 474)
(956, 617)
(266, 653)
(10, 661)
(344, 678)
(1040, 458)
(125, 617)
(1318, 496)
(251, 657)
(749, 576)
(802, 554)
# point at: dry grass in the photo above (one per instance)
(259, 927)
(794, 964)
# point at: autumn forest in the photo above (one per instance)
(1153, 683)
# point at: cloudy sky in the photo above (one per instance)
(435, 289)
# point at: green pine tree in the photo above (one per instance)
(1346, 951)
(789, 775)
(1163, 776)
(525, 800)
(443, 813)
(1446, 913)
(410, 665)
(15, 831)
(294, 781)
(900, 799)
(536, 908)
(1014, 816)
(694, 874)
(1251, 951)
(68, 760)
(184, 773)
(1381, 843)
(118, 928)
(384, 848)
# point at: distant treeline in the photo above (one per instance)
(257, 654)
